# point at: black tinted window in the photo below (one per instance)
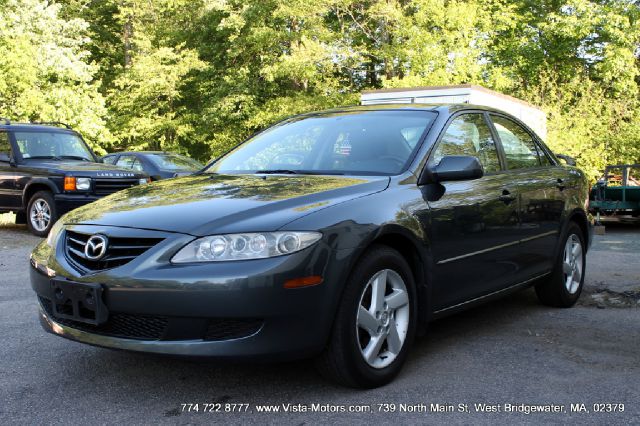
(469, 134)
(520, 149)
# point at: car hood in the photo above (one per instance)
(82, 168)
(207, 204)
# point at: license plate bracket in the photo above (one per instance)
(82, 302)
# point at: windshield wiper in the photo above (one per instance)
(75, 157)
(296, 172)
(48, 157)
(58, 157)
(278, 172)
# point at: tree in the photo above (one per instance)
(199, 76)
(45, 72)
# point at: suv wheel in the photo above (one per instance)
(375, 323)
(563, 287)
(41, 213)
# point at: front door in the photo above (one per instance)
(473, 228)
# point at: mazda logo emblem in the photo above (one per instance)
(96, 247)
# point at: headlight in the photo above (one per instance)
(54, 233)
(218, 248)
(83, 184)
(142, 181)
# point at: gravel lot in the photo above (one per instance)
(513, 351)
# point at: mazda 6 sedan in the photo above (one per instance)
(333, 235)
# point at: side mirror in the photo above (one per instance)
(452, 168)
(569, 160)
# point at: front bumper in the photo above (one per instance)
(67, 202)
(228, 310)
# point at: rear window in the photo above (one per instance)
(173, 162)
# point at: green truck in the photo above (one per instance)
(617, 192)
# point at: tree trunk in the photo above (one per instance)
(127, 34)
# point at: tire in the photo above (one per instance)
(391, 323)
(562, 288)
(41, 213)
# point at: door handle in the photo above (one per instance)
(560, 184)
(506, 197)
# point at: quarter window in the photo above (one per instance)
(5, 145)
(519, 147)
(469, 134)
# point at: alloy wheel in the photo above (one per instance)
(572, 265)
(383, 318)
(40, 214)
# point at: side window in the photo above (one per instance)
(126, 161)
(5, 145)
(520, 149)
(633, 176)
(137, 165)
(110, 159)
(469, 134)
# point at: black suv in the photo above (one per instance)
(46, 169)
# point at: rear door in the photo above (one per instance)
(10, 196)
(474, 224)
(539, 185)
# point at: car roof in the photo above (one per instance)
(34, 128)
(447, 108)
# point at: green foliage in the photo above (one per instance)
(145, 99)
(199, 76)
(45, 73)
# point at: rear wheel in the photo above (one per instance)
(41, 213)
(375, 323)
(563, 287)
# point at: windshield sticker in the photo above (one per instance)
(344, 148)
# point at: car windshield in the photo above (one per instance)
(174, 162)
(350, 143)
(52, 145)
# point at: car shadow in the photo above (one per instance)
(223, 381)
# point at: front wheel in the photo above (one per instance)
(375, 323)
(563, 287)
(41, 213)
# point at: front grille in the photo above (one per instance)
(128, 326)
(228, 328)
(119, 251)
(109, 186)
(156, 327)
